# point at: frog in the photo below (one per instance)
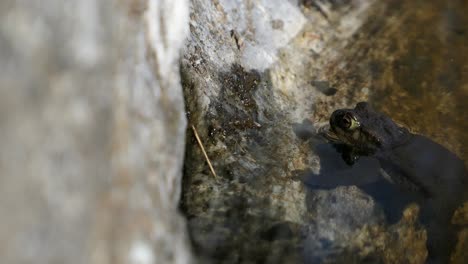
(412, 162)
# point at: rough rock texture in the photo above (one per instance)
(258, 84)
(92, 131)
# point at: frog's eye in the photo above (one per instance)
(349, 122)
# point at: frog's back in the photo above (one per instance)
(442, 178)
(440, 172)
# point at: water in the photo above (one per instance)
(413, 58)
(420, 77)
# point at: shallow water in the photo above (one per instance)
(421, 77)
(365, 174)
(412, 58)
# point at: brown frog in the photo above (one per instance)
(412, 162)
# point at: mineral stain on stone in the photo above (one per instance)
(228, 216)
(235, 109)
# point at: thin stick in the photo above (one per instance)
(204, 152)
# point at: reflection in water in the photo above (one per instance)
(366, 173)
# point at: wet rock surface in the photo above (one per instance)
(257, 90)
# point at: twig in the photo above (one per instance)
(204, 152)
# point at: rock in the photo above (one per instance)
(258, 85)
(236, 102)
(93, 129)
(342, 210)
(366, 241)
(335, 217)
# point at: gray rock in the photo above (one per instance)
(92, 131)
(336, 216)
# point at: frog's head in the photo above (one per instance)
(365, 129)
